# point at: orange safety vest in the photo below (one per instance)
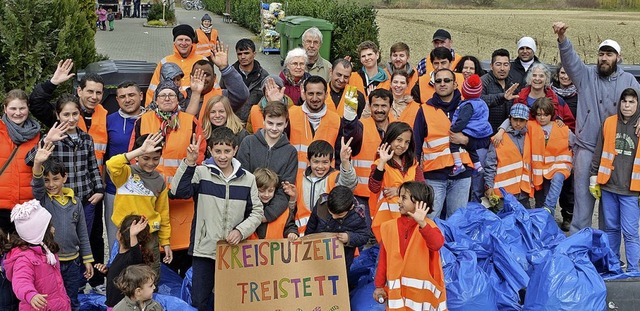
(257, 118)
(427, 90)
(339, 109)
(205, 99)
(98, 133)
(383, 209)
(304, 208)
(15, 181)
(553, 156)
(301, 135)
(204, 45)
(356, 80)
(609, 131)
(456, 59)
(435, 148)
(412, 80)
(275, 229)
(362, 162)
(513, 172)
(408, 115)
(415, 281)
(186, 64)
(173, 152)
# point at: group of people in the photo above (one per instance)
(373, 155)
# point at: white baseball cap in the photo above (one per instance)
(612, 44)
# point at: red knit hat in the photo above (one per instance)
(472, 87)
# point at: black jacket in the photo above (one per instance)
(493, 95)
(518, 74)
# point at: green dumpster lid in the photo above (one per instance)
(308, 22)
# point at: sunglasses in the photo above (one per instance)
(446, 80)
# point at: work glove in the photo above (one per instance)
(594, 188)
(350, 103)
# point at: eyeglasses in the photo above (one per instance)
(167, 96)
(312, 42)
(297, 64)
(446, 80)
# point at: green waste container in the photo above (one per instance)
(291, 29)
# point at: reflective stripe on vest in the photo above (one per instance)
(435, 147)
(550, 156)
(513, 169)
(304, 210)
(363, 161)
(609, 132)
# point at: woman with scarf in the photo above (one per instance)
(207, 37)
(567, 92)
(19, 133)
(178, 129)
(293, 74)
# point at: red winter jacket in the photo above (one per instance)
(562, 110)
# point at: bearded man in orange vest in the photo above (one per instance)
(340, 75)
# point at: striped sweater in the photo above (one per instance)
(221, 204)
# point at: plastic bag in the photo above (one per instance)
(170, 282)
(185, 290)
(468, 287)
(172, 303)
(361, 299)
(92, 302)
(567, 279)
(363, 268)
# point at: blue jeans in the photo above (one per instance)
(622, 212)
(8, 300)
(550, 192)
(452, 192)
(72, 275)
(477, 180)
(202, 283)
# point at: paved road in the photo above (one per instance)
(131, 41)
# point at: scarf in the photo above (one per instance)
(314, 117)
(291, 80)
(206, 30)
(565, 92)
(130, 116)
(21, 133)
(400, 104)
(169, 121)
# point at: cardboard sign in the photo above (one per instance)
(272, 275)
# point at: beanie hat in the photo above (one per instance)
(184, 30)
(170, 70)
(275, 78)
(32, 221)
(167, 84)
(206, 17)
(472, 87)
(519, 111)
(528, 42)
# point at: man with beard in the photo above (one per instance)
(399, 54)
(313, 121)
(599, 87)
(340, 74)
(526, 57)
(431, 131)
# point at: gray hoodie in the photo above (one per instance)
(598, 95)
(626, 146)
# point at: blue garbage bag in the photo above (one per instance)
(567, 279)
(92, 302)
(172, 303)
(361, 299)
(185, 290)
(363, 268)
(170, 282)
(468, 287)
(506, 298)
(472, 226)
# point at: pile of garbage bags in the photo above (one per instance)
(517, 259)
(270, 14)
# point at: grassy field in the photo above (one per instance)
(480, 32)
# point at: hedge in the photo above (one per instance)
(36, 34)
(353, 23)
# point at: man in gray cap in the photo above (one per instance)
(599, 87)
(184, 54)
(526, 57)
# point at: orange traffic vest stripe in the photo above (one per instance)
(301, 135)
(553, 156)
(173, 152)
(415, 281)
(98, 133)
(304, 208)
(435, 148)
(609, 153)
(275, 229)
(383, 209)
(513, 172)
(204, 45)
(363, 161)
(427, 90)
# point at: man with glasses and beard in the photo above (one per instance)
(599, 88)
